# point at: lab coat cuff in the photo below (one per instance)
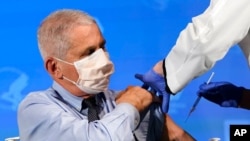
(165, 76)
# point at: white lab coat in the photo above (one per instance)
(206, 40)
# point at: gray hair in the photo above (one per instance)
(53, 33)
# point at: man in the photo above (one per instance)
(201, 44)
(79, 106)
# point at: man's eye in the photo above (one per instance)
(91, 51)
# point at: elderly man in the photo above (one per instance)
(79, 106)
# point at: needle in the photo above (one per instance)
(198, 98)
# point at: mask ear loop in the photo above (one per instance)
(63, 61)
(64, 77)
(69, 80)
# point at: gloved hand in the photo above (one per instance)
(157, 83)
(224, 94)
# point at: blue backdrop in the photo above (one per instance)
(138, 34)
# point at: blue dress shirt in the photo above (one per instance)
(54, 115)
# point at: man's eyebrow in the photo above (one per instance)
(102, 43)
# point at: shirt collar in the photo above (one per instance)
(74, 101)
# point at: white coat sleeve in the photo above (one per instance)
(245, 46)
(206, 40)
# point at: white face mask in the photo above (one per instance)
(94, 72)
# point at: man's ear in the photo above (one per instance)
(53, 68)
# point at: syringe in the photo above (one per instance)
(198, 98)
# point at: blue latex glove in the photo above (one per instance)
(224, 94)
(157, 83)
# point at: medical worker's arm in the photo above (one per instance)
(222, 93)
(244, 103)
(206, 40)
(225, 94)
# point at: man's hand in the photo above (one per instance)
(136, 96)
(224, 94)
